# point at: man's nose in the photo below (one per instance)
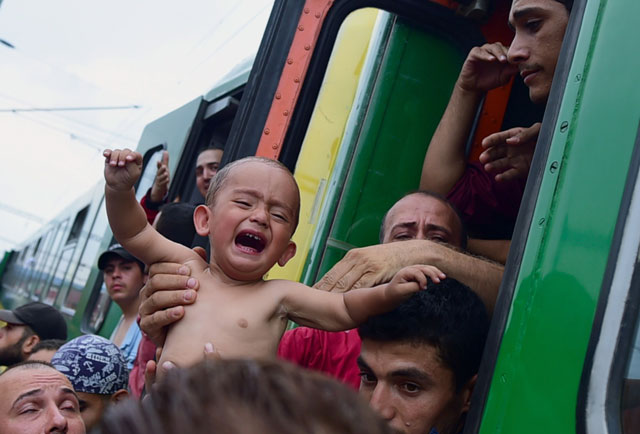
(57, 421)
(518, 51)
(380, 402)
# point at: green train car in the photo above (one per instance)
(347, 93)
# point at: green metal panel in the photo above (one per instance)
(411, 90)
(537, 374)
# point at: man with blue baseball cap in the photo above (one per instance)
(98, 372)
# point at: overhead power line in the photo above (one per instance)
(68, 109)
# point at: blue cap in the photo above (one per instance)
(93, 364)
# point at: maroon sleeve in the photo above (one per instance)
(150, 210)
(146, 352)
(482, 200)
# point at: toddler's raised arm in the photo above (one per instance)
(126, 217)
(333, 311)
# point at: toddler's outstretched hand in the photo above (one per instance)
(122, 168)
(413, 279)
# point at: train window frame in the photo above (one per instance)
(51, 264)
(244, 140)
(617, 319)
(183, 184)
(78, 223)
(97, 230)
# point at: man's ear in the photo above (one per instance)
(120, 395)
(288, 254)
(466, 393)
(201, 217)
(29, 343)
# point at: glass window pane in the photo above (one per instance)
(61, 271)
(50, 260)
(88, 260)
(99, 311)
(149, 174)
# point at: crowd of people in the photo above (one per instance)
(403, 322)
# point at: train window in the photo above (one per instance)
(88, 259)
(62, 267)
(400, 97)
(50, 258)
(44, 241)
(78, 222)
(152, 157)
(98, 310)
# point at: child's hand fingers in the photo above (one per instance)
(434, 273)
(413, 274)
(150, 375)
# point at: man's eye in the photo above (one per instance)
(240, 202)
(366, 378)
(410, 388)
(70, 406)
(29, 409)
(533, 25)
(403, 236)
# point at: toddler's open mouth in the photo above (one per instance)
(250, 242)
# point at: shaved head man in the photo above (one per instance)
(37, 399)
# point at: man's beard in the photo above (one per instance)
(11, 355)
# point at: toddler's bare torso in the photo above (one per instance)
(241, 321)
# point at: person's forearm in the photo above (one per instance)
(126, 217)
(496, 250)
(365, 302)
(481, 275)
(445, 160)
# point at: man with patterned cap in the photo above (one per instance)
(98, 372)
(25, 327)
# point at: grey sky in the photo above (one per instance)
(77, 53)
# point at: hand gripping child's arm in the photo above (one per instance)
(126, 217)
(335, 311)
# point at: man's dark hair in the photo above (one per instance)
(48, 344)
(176, 222)
(210, 148)
(448, 316)
(245, 397)
(463, 230)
